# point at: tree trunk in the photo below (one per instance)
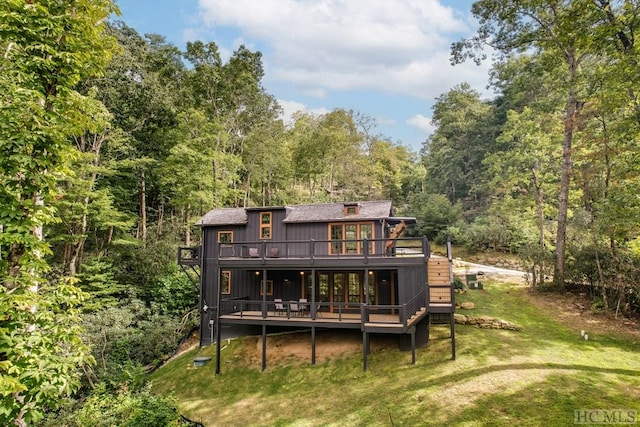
(571, 112)
(187, 221)
(142, 226)
(160, 219)
(540, 209)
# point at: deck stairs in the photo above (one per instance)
(441, 294)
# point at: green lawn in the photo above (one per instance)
(537, 376)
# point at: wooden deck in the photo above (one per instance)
(324, 319)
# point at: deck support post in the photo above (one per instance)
(453, 337)
(217, 332)
(413, 346)
(428, 327)
(264, 347)
(365, 340)
(313, 345)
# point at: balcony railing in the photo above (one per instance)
(406, 311)
(317, 249)
(396, 315)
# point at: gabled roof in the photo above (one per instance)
(323, 212)
(224, 216)
(329, 212)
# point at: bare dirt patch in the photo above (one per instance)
(296, 347)
(575, 312)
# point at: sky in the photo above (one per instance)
(386, 59)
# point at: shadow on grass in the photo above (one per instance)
(551, 402)
(472, 373)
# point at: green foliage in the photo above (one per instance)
(140, 268)
(97, 278)
(434, 214)
(48, 47)
(453, 154)
(129, 335)
(41, 350)
(175, 293)
(497, 232)
(123, 407)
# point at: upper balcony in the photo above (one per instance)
(314, 252)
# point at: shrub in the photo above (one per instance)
(123, 407)
(174, 293)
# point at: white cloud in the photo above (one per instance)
(395, 46)
(289, 108)
(421, 122)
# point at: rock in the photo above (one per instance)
(460, 318)
(468, 305)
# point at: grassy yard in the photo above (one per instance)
(537, 376)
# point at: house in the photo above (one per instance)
(333, 265)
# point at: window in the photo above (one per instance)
(225, 282)
(353, 286)
(269, 287)
(225, 237)
(351, 209)
(348, 238)
(265, 225)
(335, 235)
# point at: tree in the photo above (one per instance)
(555, 28)
(454, 152)
(47, 47)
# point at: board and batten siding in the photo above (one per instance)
(411, 280)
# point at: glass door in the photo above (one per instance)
(354, 289)
(337, 290)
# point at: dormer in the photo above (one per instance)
(351, 209)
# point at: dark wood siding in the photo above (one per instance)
(411, 280)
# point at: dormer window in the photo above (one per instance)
(351, 209)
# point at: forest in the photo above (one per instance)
(114, 143)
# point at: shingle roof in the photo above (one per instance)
(224, 216)
(335, 212)
(324, 212)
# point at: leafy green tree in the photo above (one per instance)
(267, 165)
(48, 47)
(453, 154)
(554, 28)
(434, 214)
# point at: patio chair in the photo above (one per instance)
(304, 307)
(280, 310)
(294, 308)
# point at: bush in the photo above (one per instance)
(105, 408)
(129, 335)
(434, 213)
(174, 293)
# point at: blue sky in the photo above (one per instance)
(387, 59)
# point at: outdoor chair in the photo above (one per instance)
(280, 310)
(294, 308)
(303, 306)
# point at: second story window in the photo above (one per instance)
(348, 238)
(265, 225)
(225, 237)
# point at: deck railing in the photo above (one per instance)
(406, 311)
(338, 311)
(313, 249)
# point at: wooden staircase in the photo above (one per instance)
(441, 296)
